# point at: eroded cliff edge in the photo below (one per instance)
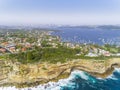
(25, 75)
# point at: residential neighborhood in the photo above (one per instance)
(22, 41)
(14, 42)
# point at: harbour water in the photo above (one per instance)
(80, 80)
(88, 35)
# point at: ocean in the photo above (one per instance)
(88, 35)
(79, 80)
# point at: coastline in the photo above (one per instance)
(31, 75)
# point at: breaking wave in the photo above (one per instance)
(79, 80)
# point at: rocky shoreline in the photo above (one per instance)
(29, 75)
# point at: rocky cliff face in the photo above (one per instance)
(24, 75)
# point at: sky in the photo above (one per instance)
(59, 12)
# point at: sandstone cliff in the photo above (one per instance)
(24, 75)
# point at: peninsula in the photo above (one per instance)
(34, 57)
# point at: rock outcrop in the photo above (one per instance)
(25, 75)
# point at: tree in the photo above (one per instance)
(29, 56)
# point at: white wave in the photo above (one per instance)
(63, 82)
(112, 75)
(117, 70)
(81, 74)
(8, 88)
(50, 85)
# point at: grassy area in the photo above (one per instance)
(60, 54)
(111, 48)
(51, 55)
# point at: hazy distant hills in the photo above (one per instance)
(94, 27)
(46, 27)
(109, 27)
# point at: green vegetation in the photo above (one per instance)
(51, 55)
(38, 46)
(27, 57)
(111, 48)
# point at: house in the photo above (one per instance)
(12, 49)
(28, 45)
(91, 55)
(2, 50)
(107, 54)
(104, 53)
(4, 44)
(23, 49)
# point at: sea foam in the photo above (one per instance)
(70, 81)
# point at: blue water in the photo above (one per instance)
(88, 82)
(79, 80)
(89, 35)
